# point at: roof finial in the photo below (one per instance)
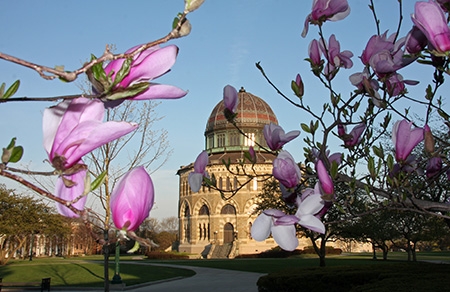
(242, 89)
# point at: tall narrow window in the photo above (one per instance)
(255, 184)
(249, 139)
(221, 140)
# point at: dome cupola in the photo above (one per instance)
(252, 114)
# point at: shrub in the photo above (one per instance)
(386, 277)
(328, 250)
(275, 252)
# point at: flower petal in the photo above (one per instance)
(160, 91)
(71, 193)
(310, 205)
(261, 227)
(313, 223)
(132, 199)
(285, 236)
(195, 180)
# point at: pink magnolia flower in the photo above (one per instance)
(132, 199)
(405, 139)
(434, 166)
(335, 57)
(74, 128)
(377, 43)
(326, 183)
(75, 193)
(195, 178)
(314, 53)
(416, 41)
(431, 20)
(323, 10)
(354, 137)
(297, 86)
(275, 136)
(335, 157)
(230, 98)
(71, 130)
(395, 84)
(286, 170)
(252, 154)
(282, 226)
(146, 66)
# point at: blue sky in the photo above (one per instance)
(227, 39)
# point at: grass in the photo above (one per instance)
(88, 271)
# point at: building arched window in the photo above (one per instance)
(228, 184)
(228, 209)
(203, 211)
(235, 183)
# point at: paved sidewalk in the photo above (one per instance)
(205, 279)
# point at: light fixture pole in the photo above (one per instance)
(116, 279)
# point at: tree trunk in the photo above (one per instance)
(322, 252)
(385, 252)
(408, 249)
(414, 251)
(374, 252)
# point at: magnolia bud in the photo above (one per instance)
(184, 30)
(191, 5)
(429, 139)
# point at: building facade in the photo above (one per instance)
(207, 219)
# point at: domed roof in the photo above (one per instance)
(251, 111)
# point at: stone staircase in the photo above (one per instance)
(221, 251)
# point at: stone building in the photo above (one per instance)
(210, 224)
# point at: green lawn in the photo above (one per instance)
(88, 271)
(83, 273)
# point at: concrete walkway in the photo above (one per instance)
(205, 279)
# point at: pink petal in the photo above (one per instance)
(195, 181)
(261, 227)
(91, 135)
(201, 162)
(132, 199)
(324, 178)
(313, 223)
(160, 91)
(152, 66)
(285, 236)
(311, 205)
(69, 194)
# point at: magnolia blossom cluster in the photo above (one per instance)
(76, 127)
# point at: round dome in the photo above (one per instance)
(251, 111)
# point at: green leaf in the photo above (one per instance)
(12, 143)
(429, 92)
(334, 169)
(371, 167)
(305, 128)
(2, 89)
(134, 248)
(98, 181)
(11, 90)
(122, 73)
(16, 154)
(130, 91)
(378, 151)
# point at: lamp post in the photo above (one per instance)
(116, 279)
(31, 246)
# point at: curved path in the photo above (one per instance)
(205, 279)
